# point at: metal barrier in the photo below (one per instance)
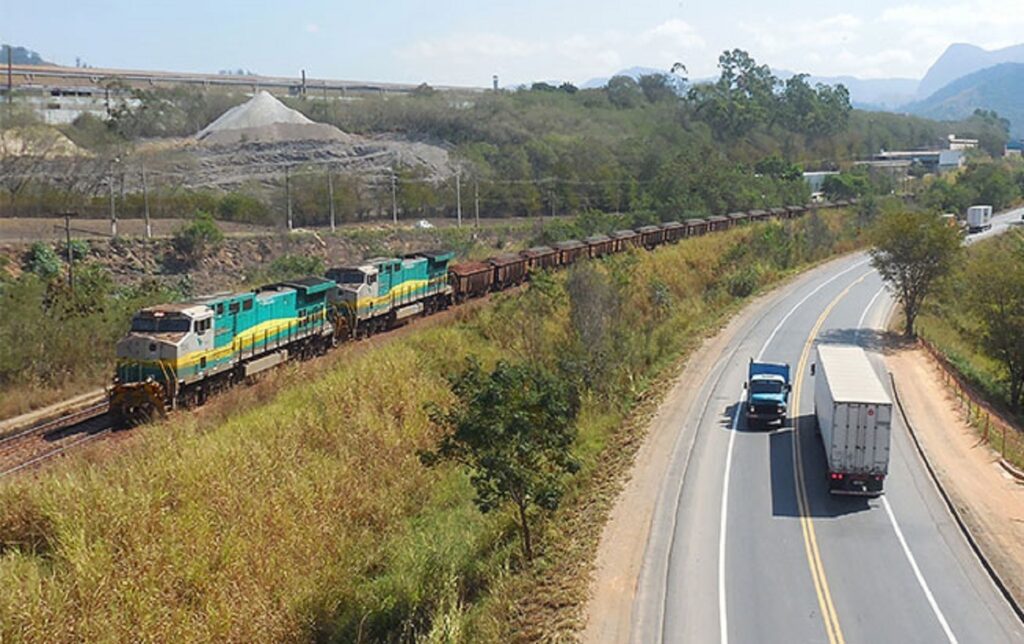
(1002, 435)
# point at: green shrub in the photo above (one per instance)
(43, 261)
(198, 238)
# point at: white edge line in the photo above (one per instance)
(896, 527)
(723, 622)
(917, 573)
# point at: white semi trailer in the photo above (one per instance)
(854, 414)
(979, 218)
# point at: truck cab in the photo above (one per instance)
(767, 390)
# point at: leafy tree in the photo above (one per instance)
(777, 167)
(997, 302)
(845, 185)
(513, 429)
(741, 99)
(912, 251)
(624, 92)
(657, 87)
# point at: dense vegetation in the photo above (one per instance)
(312, 517)
(656, 144)
(977, 319)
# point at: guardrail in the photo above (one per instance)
(1000, 434)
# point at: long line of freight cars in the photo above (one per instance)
(176, 355)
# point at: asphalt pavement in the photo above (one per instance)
(746, 543)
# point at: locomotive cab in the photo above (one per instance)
(160, 340)
(357, 288)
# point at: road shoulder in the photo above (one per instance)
(990, 501)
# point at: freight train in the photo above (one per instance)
(176, 355)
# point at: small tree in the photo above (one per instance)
(513, 429)
(912, 251)
(996, 300)
(196, 239)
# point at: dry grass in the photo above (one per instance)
(298, 509)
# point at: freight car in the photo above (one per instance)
(540, 257)
(696, 227)
(570, 251)
(509, 270)
(625, 239)
(177, 354)
(599, 246)
(650, 236)
(471, 279)
(718, 223)
(673, 231)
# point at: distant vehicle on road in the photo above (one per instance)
(423, 223)
(854, 415)
(767, 393)
(979, 218)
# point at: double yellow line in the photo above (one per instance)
(828, 609)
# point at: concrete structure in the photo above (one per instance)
(815, 180)
(62, 94)
(936, 161)
(956, 143)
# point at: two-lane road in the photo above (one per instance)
(748, 545)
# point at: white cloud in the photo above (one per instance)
(785, 36)
(575, 57)
(312, 28)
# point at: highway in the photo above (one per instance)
(747, 545)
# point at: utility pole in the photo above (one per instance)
(458, 196)
(288, 195)
(476, 201)
(145, 201)
(394, 198)
(330, 196)
(113, 208)
(10, 74)
(71, 254)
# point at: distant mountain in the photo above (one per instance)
(867, 93)
(999, 88)
(961, 59)
(21, 56)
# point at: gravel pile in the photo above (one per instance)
(264, 119)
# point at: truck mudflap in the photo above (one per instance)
(855, 484)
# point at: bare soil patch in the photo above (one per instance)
(989, 499)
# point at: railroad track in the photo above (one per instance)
(51, 438)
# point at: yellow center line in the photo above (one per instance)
(828, 609)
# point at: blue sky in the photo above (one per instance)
(463, 42)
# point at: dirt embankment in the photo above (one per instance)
(987, 497)
(242, 257)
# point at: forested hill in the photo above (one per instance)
(999, 88)
(735, 143)
(21, 56)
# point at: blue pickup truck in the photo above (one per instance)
(767, 393)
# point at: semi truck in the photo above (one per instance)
(979, 218)
(767, 388)
(854, 418)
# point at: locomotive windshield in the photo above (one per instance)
(149, 324)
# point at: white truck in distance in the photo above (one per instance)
(854, 415)
(979, 218)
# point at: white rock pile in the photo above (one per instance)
(264, 119)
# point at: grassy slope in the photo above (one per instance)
(311, 516)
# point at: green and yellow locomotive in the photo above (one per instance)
(177, 354)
